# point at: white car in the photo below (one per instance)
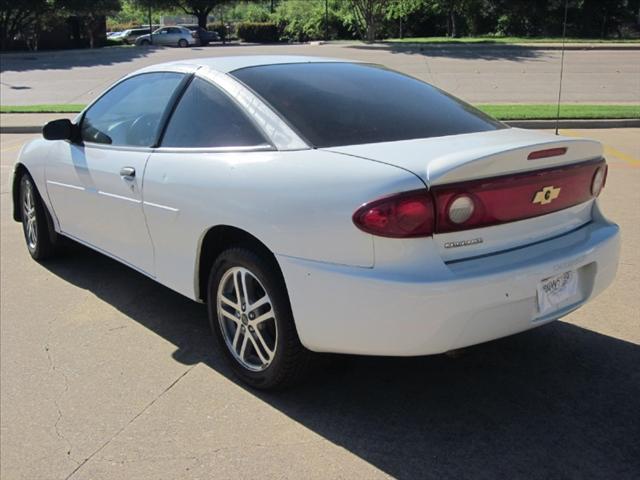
(320, 205)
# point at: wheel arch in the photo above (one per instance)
(216, 240)
(18, 171)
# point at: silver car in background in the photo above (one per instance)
(170, 36)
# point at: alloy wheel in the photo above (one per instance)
(29, 215)
(247, 319)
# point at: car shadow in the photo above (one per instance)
(464, 52)
(66, 59)
(556, 402)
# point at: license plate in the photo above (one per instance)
(554, 291)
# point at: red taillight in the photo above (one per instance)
(549, 152)
(510, 198)
(403, 215)
(482, 203)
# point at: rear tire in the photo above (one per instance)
(251, 318)
(36, 224)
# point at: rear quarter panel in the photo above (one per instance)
(298, 203)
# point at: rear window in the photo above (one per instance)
(335, 104)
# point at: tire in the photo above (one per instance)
(268, 354)
(36, 224)
(144, 43)
(182, 43)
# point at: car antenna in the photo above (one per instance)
(564, 37)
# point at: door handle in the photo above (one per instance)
(128, 172)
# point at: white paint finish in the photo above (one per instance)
(470, 156)
(229, 64)
(94, 203)
(435, 307)
(514, 234)
(297, 203)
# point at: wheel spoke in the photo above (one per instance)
(258, 303)
(243, 348)
(237, 288)
(265, 316)
(263, 359)
(236, 336)
(230, 316)
(245, 300)
(228, 302)
(260, 338)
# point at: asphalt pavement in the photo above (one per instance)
(478, 74)
(107, 375)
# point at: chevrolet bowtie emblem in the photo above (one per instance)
(546, 195)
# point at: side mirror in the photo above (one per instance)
(61, 129)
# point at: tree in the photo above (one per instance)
(368, 15)
(17, 17)
(199, 9)
(399, 10)
(92, 13)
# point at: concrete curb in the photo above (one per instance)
(21, 129)
(496, 46)
(532, 124)
(576, 123)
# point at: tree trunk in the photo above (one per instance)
(452, 22)
(202, 16)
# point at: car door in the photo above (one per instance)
(190, 171)
(163, 37)
(95, 185)
(175, 34)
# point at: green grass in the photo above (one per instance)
(43, 108)
(514, 111)
(508, 40)
(548, 111)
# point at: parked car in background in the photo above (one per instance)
(318, 205)
(113, 35)
(203, 35)
(130, 36)
(170, 36)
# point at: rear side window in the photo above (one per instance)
(334, 104)
(206, 117)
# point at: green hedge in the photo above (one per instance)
(258, 32)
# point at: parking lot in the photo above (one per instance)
(106, 374)
(485, 74)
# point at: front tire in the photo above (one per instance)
(182, 43)
(251, 318)
(37, 230)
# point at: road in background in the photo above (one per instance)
(478, 74)
(108, 375)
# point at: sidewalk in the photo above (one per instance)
(33, 122)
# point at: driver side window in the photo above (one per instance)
(130, 113)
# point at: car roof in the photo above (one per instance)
(229, 64)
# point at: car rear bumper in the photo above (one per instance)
(363, 311)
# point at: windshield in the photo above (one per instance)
(335, 104)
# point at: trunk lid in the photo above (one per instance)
(449, 160)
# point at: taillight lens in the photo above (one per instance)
(599, 179)
(482, 203)
(461, 209)
(403, 215)
(514, 197)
